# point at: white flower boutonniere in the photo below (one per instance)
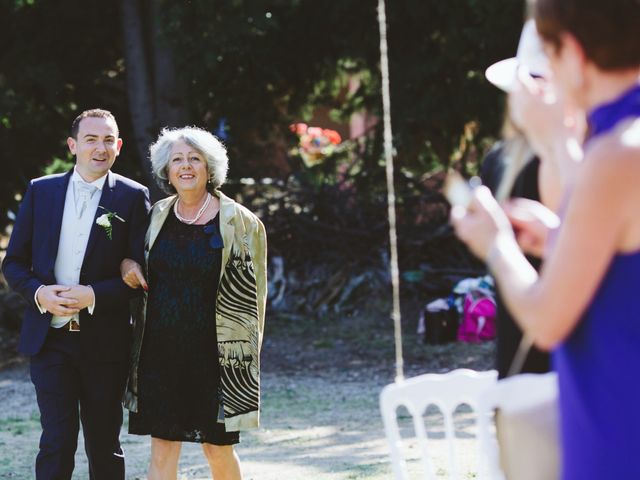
(104, 221)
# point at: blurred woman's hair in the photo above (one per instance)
(516, 150)
(516, 154)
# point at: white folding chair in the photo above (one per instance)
(520, 392)
(445, 391)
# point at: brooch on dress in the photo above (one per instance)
(215, 238)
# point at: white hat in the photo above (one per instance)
(530, 55)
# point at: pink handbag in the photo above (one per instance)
(478, 318)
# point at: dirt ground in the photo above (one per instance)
(320, 416)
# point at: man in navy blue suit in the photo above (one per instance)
(71, 234)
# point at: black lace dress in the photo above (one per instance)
(179, 376)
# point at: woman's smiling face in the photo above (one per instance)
(187, 168)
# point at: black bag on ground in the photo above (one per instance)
(440, 327)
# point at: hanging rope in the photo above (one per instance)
(391, 194)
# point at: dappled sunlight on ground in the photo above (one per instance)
(312, 428)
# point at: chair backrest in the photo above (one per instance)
(447, 392)
(517, 393)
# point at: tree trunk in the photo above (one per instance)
(169, 94)
(139, 88)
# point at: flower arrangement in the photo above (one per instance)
(315, 143)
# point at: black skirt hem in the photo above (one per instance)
(232, 438)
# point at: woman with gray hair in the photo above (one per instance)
(195, 359)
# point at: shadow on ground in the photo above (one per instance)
(320, 417)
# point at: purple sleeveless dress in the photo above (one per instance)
(598, 364)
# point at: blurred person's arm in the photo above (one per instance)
(532, 223)
(601, 220)
(551, 185)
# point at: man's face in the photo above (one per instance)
(96, 147)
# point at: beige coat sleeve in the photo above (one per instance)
(258, 249)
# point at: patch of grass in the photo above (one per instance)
(368, 470)
(323, 343)
(19, 425)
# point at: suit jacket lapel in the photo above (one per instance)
(106, 201)
(58, 196)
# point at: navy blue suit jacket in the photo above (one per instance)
(32, 251)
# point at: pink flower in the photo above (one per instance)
(314, 143)
(298, 128)
(332, 136)
(314, 131)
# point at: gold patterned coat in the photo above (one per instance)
(240, 311)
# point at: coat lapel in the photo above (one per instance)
(106, 201)
(161, 211)
(227, 226)
(159, 214)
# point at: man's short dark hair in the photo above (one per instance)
(94, 112)
(607, 30)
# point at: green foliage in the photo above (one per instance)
(438, 54)
(259, 65)
(56, 61)
(58, 165)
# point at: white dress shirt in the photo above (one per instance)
(77, 221)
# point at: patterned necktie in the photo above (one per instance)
(83, 193)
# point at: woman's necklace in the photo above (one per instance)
(198, 215)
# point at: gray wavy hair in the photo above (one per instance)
(208, 145)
